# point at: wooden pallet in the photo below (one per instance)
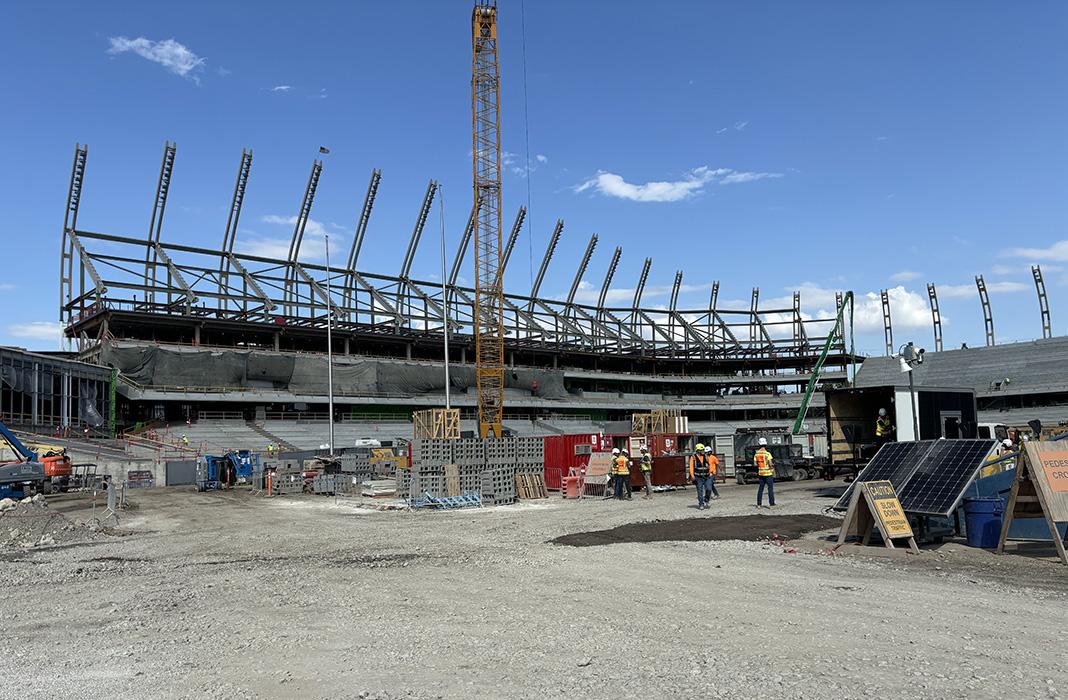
(452, 480)
(528, 486)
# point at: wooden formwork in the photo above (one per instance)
(660, 420)
(443, 423)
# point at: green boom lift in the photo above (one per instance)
(836, 333)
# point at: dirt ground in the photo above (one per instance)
(231, 595)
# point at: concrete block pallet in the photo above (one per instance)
(432, 451)
(469, 452)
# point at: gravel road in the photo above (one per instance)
(229, 595)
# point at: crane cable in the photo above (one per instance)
(526, 132)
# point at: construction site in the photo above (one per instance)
(255, 476)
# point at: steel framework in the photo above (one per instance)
(988, 314)
(888, 329)
(486, 154)
(102, 275)
(936, 316)
(1043, 301)
(109, 277)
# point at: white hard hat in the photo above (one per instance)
(708, 448)
(882, 411)
(615, 450)
(1007, 442)
(762, 441)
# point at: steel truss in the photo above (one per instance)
(101, 272)
(201, 284)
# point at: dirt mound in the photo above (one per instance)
(741, 527)
(29, 523)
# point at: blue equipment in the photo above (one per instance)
(216, 472)
(25, 471)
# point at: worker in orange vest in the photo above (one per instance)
(713, 469)
(620, 471)
(765, 465)
(700, 473)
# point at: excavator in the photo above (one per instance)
(32, 471)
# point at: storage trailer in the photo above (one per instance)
(943, 412)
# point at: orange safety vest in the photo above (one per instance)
(763, 461)
(699, 466)
(621, 468)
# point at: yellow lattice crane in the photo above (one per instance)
(486, 149)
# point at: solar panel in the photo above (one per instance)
(894, 462)
(938, 484)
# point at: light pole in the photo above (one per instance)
(329, 350)
(911, 357)
(444, 292)
(329, 340)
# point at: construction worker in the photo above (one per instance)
(185, 440)
(713, 468)
(700, 473)
(884, 428)
(620, 472)
(765, 465)
(626, 478)
(647, 472)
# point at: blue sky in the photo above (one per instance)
(812, 146)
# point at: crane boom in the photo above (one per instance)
(486, 154)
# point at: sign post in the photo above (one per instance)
(875, 505)
(1040, 490)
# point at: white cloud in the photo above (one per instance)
(223, 72)
(45, 331)
(692, 183)
(904, 276)
(881, 138)
(7, 287)
(168, 53)
(313, 246)
(967, 291)
(1057, 252)
(907, 310)
(739, 126)
(541, 158)
(281, 88)
(721, 131)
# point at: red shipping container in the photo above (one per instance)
(561, 457)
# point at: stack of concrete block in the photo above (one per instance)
(500, 452)
(530, 450)
(470, 478)
(498, 485)
(432, 452)
(323, 484)
(428, 480)
(469, 452)
(357, 465)
(404, 483)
